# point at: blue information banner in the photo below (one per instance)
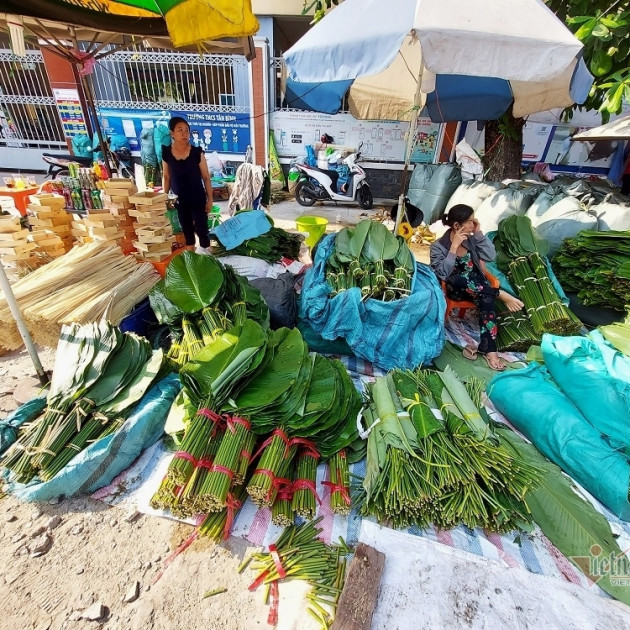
(213, 131)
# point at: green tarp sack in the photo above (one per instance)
(534, 404)
(99, 463)
(596, 379)
(10, 425)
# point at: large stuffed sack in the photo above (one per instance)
(564, 220)
(549, 196)
(472, 192)
(445, 180)
(420, 178)
(512, 200)
(403, 333)
(279, 294)
(161, 137)
(536, 406)
(596, 379)
(612, 216)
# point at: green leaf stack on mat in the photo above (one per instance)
(596, 266)
(432, 457)
(370, 257)
(520, 253)
(271, 247)
(200, 299)
(99, 374)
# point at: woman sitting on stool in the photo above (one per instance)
(456, 258)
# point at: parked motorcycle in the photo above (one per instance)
(316, 184)
(120, 161)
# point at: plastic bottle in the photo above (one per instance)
(97, 204)
(77, 202)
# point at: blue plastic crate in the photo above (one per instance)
(139, 320)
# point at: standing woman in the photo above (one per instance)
(456, 258)
(185, 172)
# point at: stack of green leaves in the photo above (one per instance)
(200, 299)
(99, 374)
(596, 266)
(432, 457)
(618, 334)
(271, 247)
(521, 254)
(370, 257)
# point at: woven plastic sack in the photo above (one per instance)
(547, 198)
(445, 180)
(612, 216)
(472, 193)
(100, 462)
(564, 220)
(81, 146)
(596, 379)
(147, 147)
(420, 178)
(502, 204)
(402, 333)
(161, 137)
(536, 406)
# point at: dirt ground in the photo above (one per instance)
(79, 564)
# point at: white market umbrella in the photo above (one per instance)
(615, 130)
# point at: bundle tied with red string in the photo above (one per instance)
(339, 483)
(218, 525)
(213, 495)
(281, 512)
(276, 454)
(305, 496)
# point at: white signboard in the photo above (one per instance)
(383, 141)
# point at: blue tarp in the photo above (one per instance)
(10, 425)
(100, 462)
(403, 333)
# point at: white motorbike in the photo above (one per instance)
(316, 184)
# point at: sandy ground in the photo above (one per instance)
(95, 558)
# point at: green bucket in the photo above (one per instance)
(214, 218)
(314, 226)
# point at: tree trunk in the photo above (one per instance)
(504, 147)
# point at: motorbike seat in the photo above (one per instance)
(334, 175)
(68, 157)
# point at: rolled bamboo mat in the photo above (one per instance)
(88, 283)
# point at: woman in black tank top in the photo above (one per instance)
(185, 172)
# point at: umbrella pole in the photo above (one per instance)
(19, 320)
(402, 210)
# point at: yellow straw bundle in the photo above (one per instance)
(88, 283)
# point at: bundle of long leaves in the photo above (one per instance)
(446, 468)
(200, 299)
(596, 266)
(515, 331)
(521, 254)
(369, 257)
(99, 374)
(271, 247)
(249, 382)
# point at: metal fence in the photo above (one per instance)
(28, 112)
(160, 79)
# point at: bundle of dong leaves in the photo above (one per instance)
(370, 257)
(271, 247)
(200, 299)
(99, 374)
(521, 255)
(250, 386)
(446, 467)
(596, 266)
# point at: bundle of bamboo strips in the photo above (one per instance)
(92, 281)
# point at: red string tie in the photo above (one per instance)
(282, 435)
(233, 505)
(275, 556)
(306, 484)
(334, 487)
(309, 448)
(222, 469)
(272, 618)
(205, 463)
(232, 421)
(184, 455)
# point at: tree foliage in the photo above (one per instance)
(602, 27)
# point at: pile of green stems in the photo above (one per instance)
(281, 510)
(304, 493)
(274, 464)
(198, 330)
(377, 281)
(340, 480)
(515, 331)
(542, 302)
(304, 557)
(244, 460)
(54, 438)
